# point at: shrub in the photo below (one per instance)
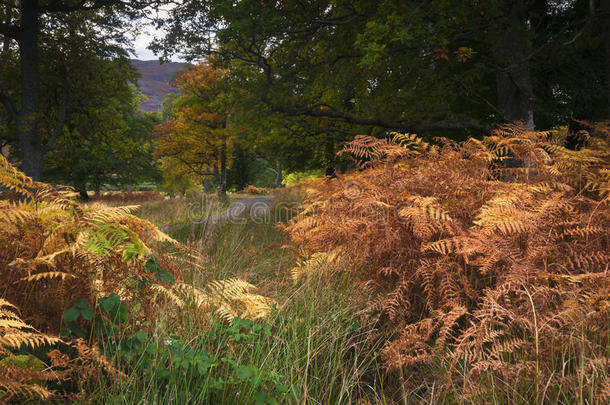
(254, 190)
(89, 273)
(56, 251)
(495, 277)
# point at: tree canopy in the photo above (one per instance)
(406, 65)
(29, 29)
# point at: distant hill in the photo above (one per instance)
(155, 80)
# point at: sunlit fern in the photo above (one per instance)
(16, 380)
(317, 263)
(476, 264)
(229, 299)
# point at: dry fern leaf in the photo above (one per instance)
(168, 293)
(316, 263)
(458, 244)
(425, 212)
(15, 333)
(584, 231)
(47, 276)
(15, 180)
(13, 389)
(231, 298)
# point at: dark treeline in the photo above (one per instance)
(304, 77)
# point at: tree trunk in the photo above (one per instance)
(329, 155)
(27, 119)
(222, 176)
(82, 192)
(605, 9)
(206, 186)
(278, 179)
(513, 79)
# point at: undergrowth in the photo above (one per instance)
(489, 261)
(75, 280)
(471, 272)
(312, 348)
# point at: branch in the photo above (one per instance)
(322, 110)
(483, 99)
(318, 111)
(59, 6)
(193, 168)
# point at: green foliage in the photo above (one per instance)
(208, 364)
(159, 273)
(339, 68)
(250, 168)
(102, 321)
(298, 177)
(177, 178)
(106, 139)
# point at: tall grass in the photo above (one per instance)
(174, 210)
(315, 346)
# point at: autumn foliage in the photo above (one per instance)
(63, 265)
(197, 140)
(489, 259)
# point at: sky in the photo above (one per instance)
(147, 34)
(140, 44)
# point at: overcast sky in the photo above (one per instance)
(140, 44)
(147, 34)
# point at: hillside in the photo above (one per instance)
(155, 80)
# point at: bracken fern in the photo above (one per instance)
(483, 270)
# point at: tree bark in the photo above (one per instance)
(222, 176)
(513, 78)
(329, 154)
(27, 119)
(206, 186)
(82, 192)
(278, 178)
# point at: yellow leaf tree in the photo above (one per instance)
(199, 136)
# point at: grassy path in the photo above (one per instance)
(248, 207)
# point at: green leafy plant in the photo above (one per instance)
(210, 362)
(86, 322)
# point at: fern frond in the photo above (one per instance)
(15, 180)
(15, 333)
(316, 263)
(46, 276)
(230, 299)
(168, 293)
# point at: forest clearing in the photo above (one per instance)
(305, 202)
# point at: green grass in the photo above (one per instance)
(177, 210)
(312, 348)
